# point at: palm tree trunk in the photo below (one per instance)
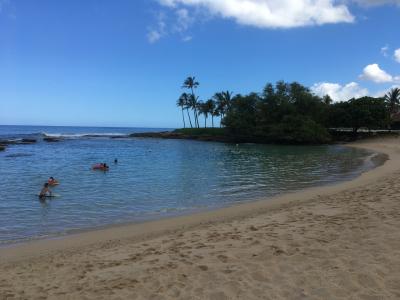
(183, 118)
(190, 120)
(196, 118)
(205, 122)
(212, 120)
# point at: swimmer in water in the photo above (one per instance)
(45, 191)
(52, 181)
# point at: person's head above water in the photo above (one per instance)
(51, 178)
(46, 184)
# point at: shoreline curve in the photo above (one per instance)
(137, 232)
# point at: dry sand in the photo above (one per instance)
(336, 242)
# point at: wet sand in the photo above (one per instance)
(334, 242)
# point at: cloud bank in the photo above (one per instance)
(271, 13)
(264, 14)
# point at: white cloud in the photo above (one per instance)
(397, 55)
(384, 50)
(166, 24)
(339, 92)
(183, 20)
(271, 13)
(155, 34)
(187, 38)
(374, 73)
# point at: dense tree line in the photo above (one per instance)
(288, 113)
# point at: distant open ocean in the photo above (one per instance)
(153, 179)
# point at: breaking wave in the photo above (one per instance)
(83, 135)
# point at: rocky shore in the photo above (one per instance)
(220, 135)
(181, 136)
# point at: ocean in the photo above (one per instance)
(153, 179)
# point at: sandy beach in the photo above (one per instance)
(334, 242)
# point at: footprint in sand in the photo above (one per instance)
(203, 267)
(223, 258)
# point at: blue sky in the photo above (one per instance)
(121, 63)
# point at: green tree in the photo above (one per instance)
(339, 115)
(193, 104)
(327, 100)
(223, 102)
(211, 108)
(181, 102)
(365, 112)
(298, 129)
(205, 110)
(392, 99)
(191, 83)
(184, 102)
(241, 117)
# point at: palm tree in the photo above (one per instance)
(181, 102)
(228, 98)
(223, 101)
(393, 99)
(206, 109)
(184, 98)
(215, 113)
(193, 104)
(211, 109)
(201, 111)
(191, 83)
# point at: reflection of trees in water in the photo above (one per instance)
(278, 168)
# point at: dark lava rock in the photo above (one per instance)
(119, 136)
(28, 141)
(51, 139)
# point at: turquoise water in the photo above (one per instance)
(153, 179)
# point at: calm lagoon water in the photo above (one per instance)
(153, 179)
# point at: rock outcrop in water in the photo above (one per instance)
(28, 141)
(219, 135)
(52, 139)
(5, 143)
(17, 142)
